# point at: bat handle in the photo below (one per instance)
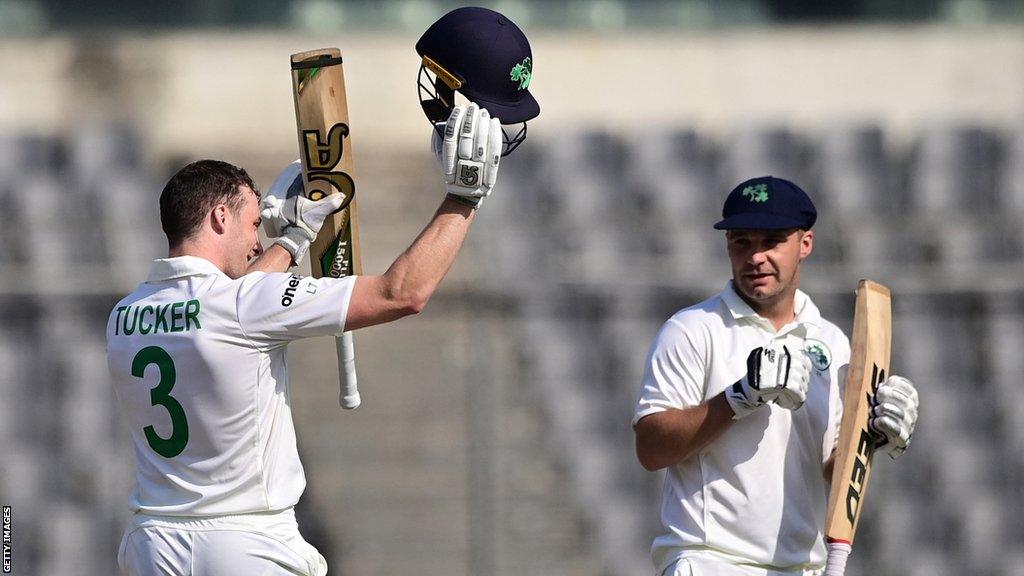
(349, 398)
(838, 552)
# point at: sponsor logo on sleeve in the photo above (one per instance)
(289, 291)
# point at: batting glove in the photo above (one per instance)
(894, 415)
(773, 374)
(469, 153)
(292, 219)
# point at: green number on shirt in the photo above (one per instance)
(166, 447)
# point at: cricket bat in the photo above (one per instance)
(869, 367)
(321, 117)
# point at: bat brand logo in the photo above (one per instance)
(335, 262)
(865, 449)
(322, 157)
(469, 175)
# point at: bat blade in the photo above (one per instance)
(869, 367)
(321, 116)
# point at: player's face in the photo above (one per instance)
(243, 237)
(766, 263)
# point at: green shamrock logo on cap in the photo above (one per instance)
(757, 193)
(522, 72)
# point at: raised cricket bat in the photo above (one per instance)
(869, 367)
(321, 116)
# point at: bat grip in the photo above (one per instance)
(349, 398)
(838, 552)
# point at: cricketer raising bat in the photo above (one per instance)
(869, 366)
(321, 116)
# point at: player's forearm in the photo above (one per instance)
(673, 436)
(273, 259)
(410, 282)
(418, 271)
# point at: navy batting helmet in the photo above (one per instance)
(487, 58)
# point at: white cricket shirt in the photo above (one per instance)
(757, 494)
(197, 362)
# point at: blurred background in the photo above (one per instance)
(494, 435)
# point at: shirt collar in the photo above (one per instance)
(164, 269)
(806, 311)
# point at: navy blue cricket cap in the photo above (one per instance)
(767, 203)
(489, 57)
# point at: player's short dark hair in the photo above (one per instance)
(194, 190)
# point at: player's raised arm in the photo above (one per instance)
(468, 155)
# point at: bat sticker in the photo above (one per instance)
(322, 156)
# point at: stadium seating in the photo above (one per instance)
(604, 238)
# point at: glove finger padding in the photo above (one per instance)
(270, 210)
(468, 132)
(894, 415)
(493, 154)
(773, 370)
(480, 139)
(794, 393)
(314, 213)
(768, 370)
(288, 184)
(452, 130)
(470, 153)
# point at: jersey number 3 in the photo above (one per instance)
(166, 447)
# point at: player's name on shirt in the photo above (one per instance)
(158, 318)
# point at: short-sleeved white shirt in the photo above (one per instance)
(197, 362)
(756, 494)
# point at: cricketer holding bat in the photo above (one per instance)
(197, 352)
(741, 403)
(197, 357)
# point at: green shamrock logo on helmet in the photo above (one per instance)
(522, 73)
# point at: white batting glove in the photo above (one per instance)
(469, 153)
(894, 415)
(773, 374)
(794, 393)
(292, 219)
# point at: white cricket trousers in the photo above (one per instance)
(264, 544)
(711, 565)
